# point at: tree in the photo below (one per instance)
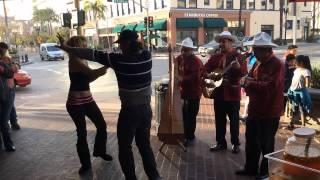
(45, 17)
(97, 9)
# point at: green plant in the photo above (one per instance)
(315, 78)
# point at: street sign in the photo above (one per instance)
(120, 1)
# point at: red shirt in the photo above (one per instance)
(190, 69)
(229, 91)
(266, 90)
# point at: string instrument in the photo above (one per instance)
(170, 130)
(215, 80)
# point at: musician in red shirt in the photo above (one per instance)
(189, 70)
(227, 96)
(264, 86)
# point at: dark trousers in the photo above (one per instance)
(135, 122)
(260, 135)
(78, 113)
(13, 113)
(4, 119)
(190, 111)
(221, 110)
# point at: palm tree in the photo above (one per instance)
(45, 16)
(5, 19)
(97, 9)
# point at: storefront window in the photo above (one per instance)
(271, 4)
(229, 4)
(268, 29)
(206, 2)
(263, 4)
(219, 4)
(210, 34)
(252, 4)
(243, 4)
(182, 34)
(193, 3)
(181, 3)
(233, 27)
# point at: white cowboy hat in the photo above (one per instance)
(262, 39)
(187, 42)
(225, 35)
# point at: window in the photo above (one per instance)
(263, 4)
(117, 9)
(181, 3)
(134, 6)
(155, 4)
(305, 4)
(122, 9)
(298, 24)
(243, 4)
(233, 27)
(162, 4)
(182, 34)
(129, 9)
(252, 4)
(206, 2)
(229, 4)
(192, 3)
(111, 11)
(219, 4)
(289, 24)
(271, 4)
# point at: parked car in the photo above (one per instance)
(213, 47)
(48, 51)
(22, 78)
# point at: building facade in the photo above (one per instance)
(199, 19)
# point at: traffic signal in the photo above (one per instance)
(150, 19)
(81, 17)
(66, 20)
(145, 22)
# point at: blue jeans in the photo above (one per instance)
(4, 119)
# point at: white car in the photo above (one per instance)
(212, 46)
(48, 51)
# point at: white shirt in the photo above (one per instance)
(298, 80)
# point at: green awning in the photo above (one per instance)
(214, 23)
(118, 28)
(188, 23)
(130, 27)
(140, 27)
(160, 24)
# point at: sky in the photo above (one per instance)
(22, 9)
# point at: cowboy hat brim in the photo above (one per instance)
(262, 44)
(193, 47)
(219, 37)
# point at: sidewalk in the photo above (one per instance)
(46, 149)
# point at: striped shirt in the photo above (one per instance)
(133, 72)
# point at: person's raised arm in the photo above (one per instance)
(84, 53)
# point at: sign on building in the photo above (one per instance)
(120, 1)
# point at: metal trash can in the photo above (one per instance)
(161, 88)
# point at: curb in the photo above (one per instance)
(26, 63)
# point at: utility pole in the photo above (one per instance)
(294, 24)
(281, 20)
(240, 13)
(6, 21)
(77, 6)
(313, 19)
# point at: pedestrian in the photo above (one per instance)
(7, 95)
(80, 103)
(292, 49)
(264, 86)
(189, 69)
(13, 114)
(289, 69)
(298, 93)
(133, 71)
(227, 96)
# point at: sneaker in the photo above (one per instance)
(105, 157)
(84, 169)
(245, 172)
(235, 149)
(218, 147)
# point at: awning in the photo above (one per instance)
(214, 23)
(130, 27)
(160, 24)
(118, 28)
(188, 23)
(140, 27)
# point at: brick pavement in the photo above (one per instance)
(46, 149)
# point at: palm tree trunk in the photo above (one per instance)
(6, 20)
(97, 33)
(314, 19)
(281, 20)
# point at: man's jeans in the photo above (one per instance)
(13, 113)
(4, 119)
(135, 122)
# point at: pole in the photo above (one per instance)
(281, 20)
(77, 6)
(6, 21)
(240, 13)
(313, 19)
(147, 28)
(285, 26)
(294, 24)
